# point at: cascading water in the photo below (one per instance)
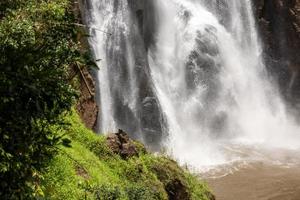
(126, 93)
(186, 75)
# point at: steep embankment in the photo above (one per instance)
(94, 167)
(279, 24)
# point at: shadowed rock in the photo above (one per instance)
(278, 23)
(121, 144)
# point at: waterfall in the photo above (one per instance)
(188, 76)
(126, 95)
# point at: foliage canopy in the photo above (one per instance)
(37, 47)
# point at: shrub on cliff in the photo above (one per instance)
(36, 47)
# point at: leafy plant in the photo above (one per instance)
(37, 46)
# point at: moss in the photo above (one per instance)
(60, 181)
(140, 148)
(88, 169)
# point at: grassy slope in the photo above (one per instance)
(89, 170)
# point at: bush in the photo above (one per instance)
(37, 46)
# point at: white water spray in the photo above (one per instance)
(205, 72)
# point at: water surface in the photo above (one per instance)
(277, 178)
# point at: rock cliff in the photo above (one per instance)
(279, 26)
(86, 105)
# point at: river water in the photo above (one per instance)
(273, 175)
(258, 182)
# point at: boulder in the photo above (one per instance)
(121, 144)
(177, 190)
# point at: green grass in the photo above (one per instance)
(88, 169)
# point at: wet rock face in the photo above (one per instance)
(87, 106)
(145, 13)
(279, 26)
(142, 118)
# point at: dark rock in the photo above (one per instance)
(87, 106)
(279, 22)
(114, 143)
(128, 150)
(121, 144)
(177, 190)
(174, 180)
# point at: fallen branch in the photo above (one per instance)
(84, 79)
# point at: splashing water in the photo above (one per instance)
(200, 88)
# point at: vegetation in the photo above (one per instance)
(88, 169)
(37, 46)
